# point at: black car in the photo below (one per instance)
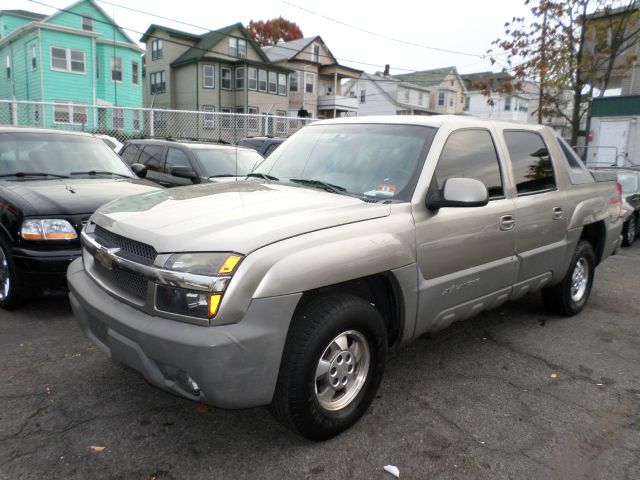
(50, 184)
(173, 163)
(263, 145)
(630, 182)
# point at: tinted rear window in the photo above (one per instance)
(130, 153)
(531, 162)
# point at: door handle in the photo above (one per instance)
(507, 222)
(558, 213)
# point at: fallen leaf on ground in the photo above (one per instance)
(96, 448)
(393, 470)
(554, 375)
(202, 408)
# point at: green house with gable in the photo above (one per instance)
(78, 57)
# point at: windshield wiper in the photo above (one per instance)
(224, 175)
(99, 172)
(319, 184)
(264, 176)
(33, 174)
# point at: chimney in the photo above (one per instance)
(386, 70)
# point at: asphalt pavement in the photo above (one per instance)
(511, 394)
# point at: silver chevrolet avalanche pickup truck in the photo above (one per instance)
(353, 238)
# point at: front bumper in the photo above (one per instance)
(235, 366)
(43, 269)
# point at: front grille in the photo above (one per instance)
(129, 282)
(130, 249)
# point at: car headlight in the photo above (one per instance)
(48, 229)
(197, 303)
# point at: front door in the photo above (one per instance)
(465, 255)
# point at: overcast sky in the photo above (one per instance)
(466, 26)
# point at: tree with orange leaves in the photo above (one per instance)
(272, 31)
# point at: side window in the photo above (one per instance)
(532, 166)
(570, 155)
(471, 154)
(151, 157)
(270, 149)
(130, 153)
(176, 158)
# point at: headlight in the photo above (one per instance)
(196, 303)
(48, 229)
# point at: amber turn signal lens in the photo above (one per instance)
(214, 304)
(229, 264)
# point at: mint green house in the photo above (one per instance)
(78, 58)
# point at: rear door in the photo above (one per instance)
(465, 255)
(541, 220)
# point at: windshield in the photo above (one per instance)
(374, 160)
(233, 162)
(56, 155)
(629, 182)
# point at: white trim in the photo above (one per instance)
(137, 63)
(106, 41)
(70, 111)
(230, 70)
(113, 64)
(212, 77)
(68, 60)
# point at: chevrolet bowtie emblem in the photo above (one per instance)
(104, 256)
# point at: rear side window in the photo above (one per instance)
(569, 154)
(130, 153)
(532, 166)
(471, 154)
(176, 158)
(151, 157)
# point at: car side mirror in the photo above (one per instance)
(139, 169)
(459, 192)
(184, 172)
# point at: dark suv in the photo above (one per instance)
(263, 145)
(173, 163)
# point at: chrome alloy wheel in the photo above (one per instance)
(342, 370)
(579, 279)
(5, 279)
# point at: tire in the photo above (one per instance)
(10, 293)
(630, 231)
(315, 358)
(570, 296)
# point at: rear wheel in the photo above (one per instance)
(629, 231)
(10, 295)
(570, 296)
(332, 366)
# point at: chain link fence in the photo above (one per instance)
(126, 123)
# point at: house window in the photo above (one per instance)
(240, 118)
(237, 47)
(156, 49)
(282, 84)
(309, 82)
(407, 96)
(225, 78)
(87, 23)
(253, 78)
(363, 96)
(273, 82)
(8, 67)
(209, 119)
(226, 119)
(316, 53)
(135, 73)
(262, 80)
(467, 103)
(240, 78)
(135, 115)
(252, 122)
(118, 118)
(34, 58)
(157, 82)
(507, 104)
(68, 112)
(208, 76)
(280, 122)
(451, 100)
(294, 79)
(116, 69)
(67, 60)
(441, 97)
(522, 105)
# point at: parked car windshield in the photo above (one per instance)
(236, 162)
(629, 182)
(54, 154)
(373, 160)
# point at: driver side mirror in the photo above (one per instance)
(184, 172)
(459, 192)
(139, 169)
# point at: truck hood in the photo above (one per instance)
(73, 196)
(230, 217)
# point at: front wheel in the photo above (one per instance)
(332, 365)
(629, 231)
(10, 294)
(570, 296)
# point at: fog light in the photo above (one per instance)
(188, 383)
